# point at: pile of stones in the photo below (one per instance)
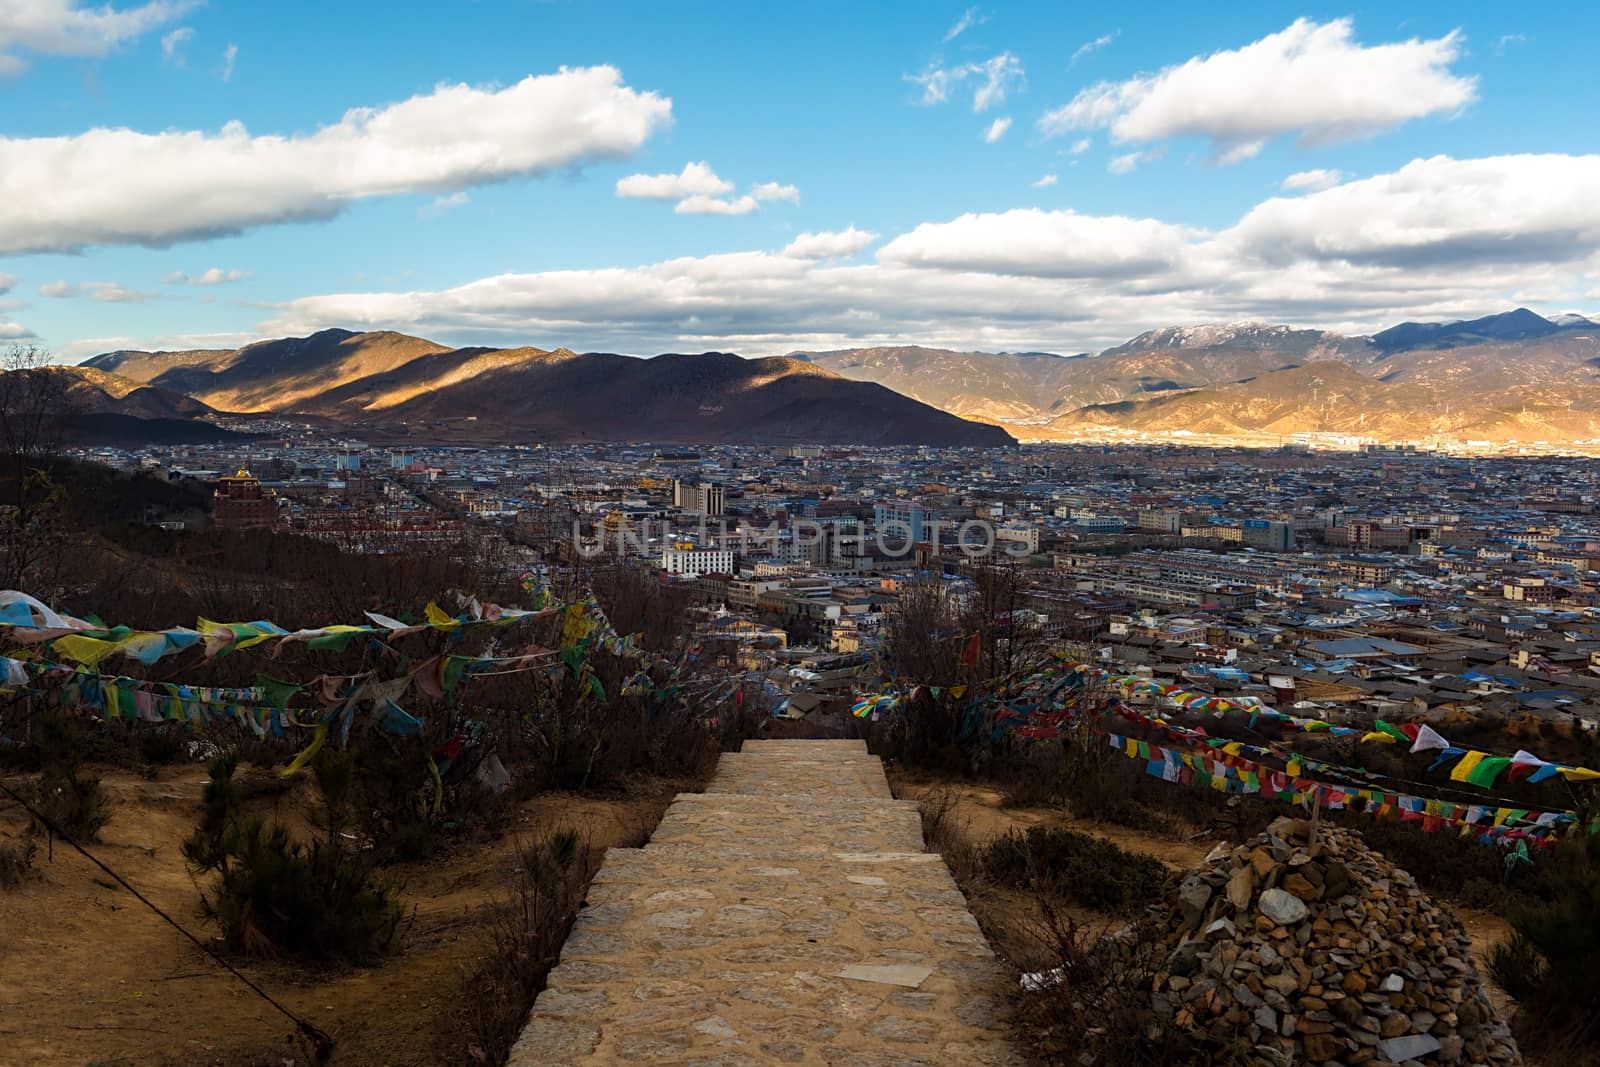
(1313, 948)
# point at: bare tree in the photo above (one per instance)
(35, 409)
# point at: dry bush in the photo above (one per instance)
(1551, 961)
(67, 794)
(1093, 871)
(524, 942)
(1091, 1005)
(16, 858)
(944, 832)
(273, 895)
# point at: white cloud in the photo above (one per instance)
(15, 331)
(714, 205)
(1527, 209)
(775, 191)
(1054, 244)
(230, 54)
(441, 204)
(835, 244)
(969, 18)
(993, 79)
(181, 185)
(1045, 182)
(7, 283)
(1508, 39)
(106, 292)
(112, 293)
(172, 44)
(997, 129)
(1128, 162)
(213, 276)
(1081, 145)
(699, 191)
(1313, 179)
(1311, 80)
(1093, 46)
(63, 28)
(696, 179)
(998, 73)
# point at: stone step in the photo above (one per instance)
(790, 916)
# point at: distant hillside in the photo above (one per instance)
(1515, 375)
(975, 385)
(106, 409)
(270, 375)
(1334, 398)
(1518, 325)
(395, 383)
(92, 391)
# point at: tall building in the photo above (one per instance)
(707, 498)
(348, 459)
(901, 518)
(1269, 534)
(240, 503)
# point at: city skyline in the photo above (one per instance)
(628, 179)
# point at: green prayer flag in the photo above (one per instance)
(1488, 770)
(1392, 730)
(276, 691)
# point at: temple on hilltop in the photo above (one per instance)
(240, 503)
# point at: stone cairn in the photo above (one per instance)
(1323, 951)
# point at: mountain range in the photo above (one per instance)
(1514, 376)
(1511, 376)
(390, 384)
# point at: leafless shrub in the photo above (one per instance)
(1091, 1004)
(16, 858)
(524, 942)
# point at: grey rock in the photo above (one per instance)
(1407, 1047)
(1193, 895)
(1281, 907)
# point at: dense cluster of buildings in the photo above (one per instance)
(1372, 581)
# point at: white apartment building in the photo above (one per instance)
(680, 559)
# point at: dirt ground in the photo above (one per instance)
(88, 975)
(982, 815)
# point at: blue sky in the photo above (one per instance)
(1002, 176)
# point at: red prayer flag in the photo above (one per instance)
(973, 649)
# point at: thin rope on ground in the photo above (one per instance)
(323, 1042)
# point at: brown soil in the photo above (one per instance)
(89, 975)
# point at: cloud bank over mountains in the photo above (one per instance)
(1438, 238)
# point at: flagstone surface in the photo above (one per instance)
(787, 915)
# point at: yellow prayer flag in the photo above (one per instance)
(1465, 764)
(86, 650)
(317, 741)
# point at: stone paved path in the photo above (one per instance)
(787, 915)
